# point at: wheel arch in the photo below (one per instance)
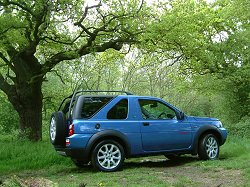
(108, 135)
(208, 129)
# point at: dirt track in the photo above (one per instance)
(185, 172)
(173, 171)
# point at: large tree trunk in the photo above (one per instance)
(26, 94)
(27, 100)
(29, 108)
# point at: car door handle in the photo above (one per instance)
(145, 124)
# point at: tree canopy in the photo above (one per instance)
(37, 35)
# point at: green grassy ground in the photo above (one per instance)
(24, 163)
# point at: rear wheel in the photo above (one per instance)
(58, 128)
(208, 147)
(108, 155)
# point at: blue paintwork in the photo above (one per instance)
(162, 135)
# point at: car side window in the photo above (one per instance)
(119, 111)
(152, 109)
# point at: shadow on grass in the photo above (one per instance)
(141, 162)
(146, 162)
(160, 163)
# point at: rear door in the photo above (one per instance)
(160, 128)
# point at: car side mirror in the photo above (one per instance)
(181, 115)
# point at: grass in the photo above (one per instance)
(24, 163)
(24, 155)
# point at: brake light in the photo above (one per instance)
(71, 130)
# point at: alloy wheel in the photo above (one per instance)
(109, 156)
(212, 147)
(53, 129)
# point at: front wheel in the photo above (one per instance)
(108, 155)
(209, 147)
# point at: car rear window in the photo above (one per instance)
(92, 105)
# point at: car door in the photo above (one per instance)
(160, 128)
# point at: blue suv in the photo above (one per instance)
(105, 129)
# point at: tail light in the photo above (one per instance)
(67, 142)
(71, 130)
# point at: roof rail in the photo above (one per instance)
(72, 96)
(108, 91)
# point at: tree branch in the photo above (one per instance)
(55, 59)
(3, 65)
(40, 19)
(23, 7)
(114, 44)
(87, 8)
(57, 41)
(140, 7)
(47, 38)
(60, 77)
(12, 27)
(74, 54)
(4, 58)
(7, 62)
(79, 23)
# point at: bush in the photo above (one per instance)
(8, 116)
(241, 129)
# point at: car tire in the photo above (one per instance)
(208, 147)
(58, 128)
(108, 155)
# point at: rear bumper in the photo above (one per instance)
(76, 153)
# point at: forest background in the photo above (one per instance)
(193, 54)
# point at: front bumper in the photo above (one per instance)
(223, 132)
